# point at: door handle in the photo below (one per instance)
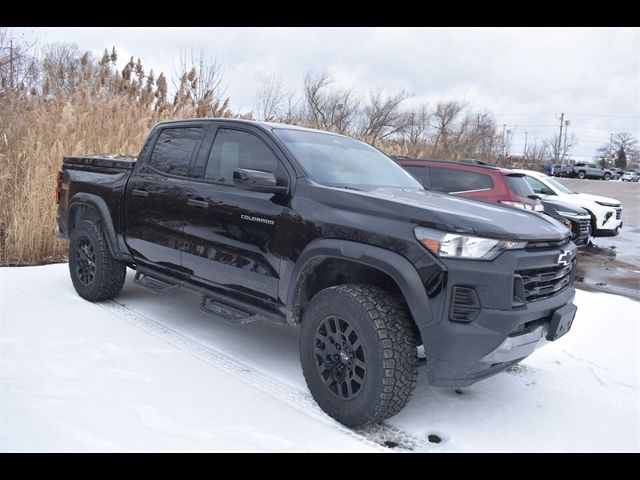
(139, 193)
(198, 203)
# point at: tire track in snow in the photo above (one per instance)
(376, 436)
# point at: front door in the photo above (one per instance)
(233, 242)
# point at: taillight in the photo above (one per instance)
(57, 192)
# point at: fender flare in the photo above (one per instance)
(100, 206)
(396, 266)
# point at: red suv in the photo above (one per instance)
(473, 179)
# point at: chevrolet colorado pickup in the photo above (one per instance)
(281, 223)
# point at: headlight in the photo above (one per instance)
(568, 214)
(525, 206)
(453, 245)
(605, 204)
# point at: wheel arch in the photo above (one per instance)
(86, 206)
(354, 262)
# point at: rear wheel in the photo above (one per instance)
(95, 274)
(358, 350)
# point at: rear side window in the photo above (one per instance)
(174, 148)
(417, 172)
(518, 185)
(449, 180)
(237, 149)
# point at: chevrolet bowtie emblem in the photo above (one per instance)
(564, 258)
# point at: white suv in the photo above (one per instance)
(606, 213)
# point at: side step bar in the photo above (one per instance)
(226, 313)
(152, 284)
(215, 302)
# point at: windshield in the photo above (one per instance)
(557, 185)
(518, 185)
(344, 162)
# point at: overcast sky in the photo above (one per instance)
(526, 77)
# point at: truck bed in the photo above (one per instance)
(109, 160)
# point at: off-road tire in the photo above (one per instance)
(389, 341)
(109, 274)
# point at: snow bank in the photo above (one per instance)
(151, 373)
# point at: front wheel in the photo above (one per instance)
(581, 175)
(607, 176)
(95, 274)
(358, 350)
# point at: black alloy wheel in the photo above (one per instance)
(85, 256)
(339, 357)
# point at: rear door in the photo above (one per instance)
(154, 198)
(233, 236)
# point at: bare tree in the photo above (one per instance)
(476, 136)
(292, 112)
(327, 108)
(62, 67)
(270, 97)
(560, 150)
(622, 144)
(536, 154)
(200, 81)
(444, 119)
(18, 67)
(416, 130)
(382, 116)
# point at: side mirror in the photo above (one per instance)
(257, 181)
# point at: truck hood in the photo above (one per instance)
(451, 213)
(611, 202)
(550, 203)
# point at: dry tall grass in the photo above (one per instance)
(107, 111)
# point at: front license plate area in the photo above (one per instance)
(561, 322)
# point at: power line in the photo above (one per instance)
(532, 114)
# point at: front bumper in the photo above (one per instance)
(609, 224)
(504, 329)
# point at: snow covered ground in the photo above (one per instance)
(151, 373)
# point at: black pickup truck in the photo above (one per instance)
(286, 224)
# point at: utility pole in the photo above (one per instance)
(525, 144)
(559, 139)
(566, 128)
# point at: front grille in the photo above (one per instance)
(541, 283)
(618, 213)
(584, 226)
(533, 244)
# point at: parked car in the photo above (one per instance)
(576, 218)
(303, 227)
(501, 185)
(630, 177)
(616, 173)
(606, 213)
(586, 170)
(473, 179)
